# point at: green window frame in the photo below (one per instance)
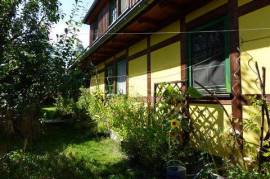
(121, 82)
(110, 80)
(202, 64)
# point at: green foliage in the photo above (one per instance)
(66, 109)
(238, 172)
(65, 106)
(67, 49)
(194, 93)
(141, 133)
(32, 69)
(49, 112)
(147, 146)
(127, 114)
(26, 64)
(95, 107)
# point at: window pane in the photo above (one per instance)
(113, 11)
(121, 77)
(208, 55)
(109, 78)
(123, 5)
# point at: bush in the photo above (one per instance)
(140, 131)
(95, 107)
(65, 107)
(73, 112)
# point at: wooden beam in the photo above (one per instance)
(108, 50)
(149, 98)
(127, 73)
(237, 108)
(183, 50)
(252, 6)
(171, 4)
(148, 20)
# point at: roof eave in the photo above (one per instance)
(85, 19)
(117, 26)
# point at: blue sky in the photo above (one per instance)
(66, 9)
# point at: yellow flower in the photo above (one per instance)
(174, 123)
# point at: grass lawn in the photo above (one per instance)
(49, 112)
(64, 152)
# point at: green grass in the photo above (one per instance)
(64, 152)
(50, 112)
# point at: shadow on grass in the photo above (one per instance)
(65, 152)
(57, 137)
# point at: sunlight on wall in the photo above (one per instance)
(137, 83)
(97, 82)
(210, 124)
(173, 27)
(254, 44)
(165, 65)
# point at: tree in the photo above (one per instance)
(27, 71)
(67, 50)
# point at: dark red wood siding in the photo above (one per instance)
(102, 20)
(102, 23)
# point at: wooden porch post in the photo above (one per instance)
(237, 108)
(149, 100)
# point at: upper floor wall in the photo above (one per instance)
(104, 14)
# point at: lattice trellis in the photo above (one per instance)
(171, 102)
(181, 89)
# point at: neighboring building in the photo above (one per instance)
(130, 59)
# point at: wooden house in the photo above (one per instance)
(136, 44)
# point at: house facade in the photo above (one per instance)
(135, 44)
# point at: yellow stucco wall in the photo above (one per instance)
(254, 44)
(173, 27)
(243, 2)
(203, 10)
(139, 46)
(137, 83)
(165, 65)
(97, 82)
(210, 127)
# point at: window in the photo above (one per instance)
(121, 77)
(112, 11)
(209, 58)
(109, 80)
(120, 80)
(123, 6)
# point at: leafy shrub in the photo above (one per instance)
(95, 107)
(126, 115)
(143, 139)
(65, 106)
(251, 173)
(147, 146)
(140, 131)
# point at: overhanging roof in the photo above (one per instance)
(95, 8)
(145, 16)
